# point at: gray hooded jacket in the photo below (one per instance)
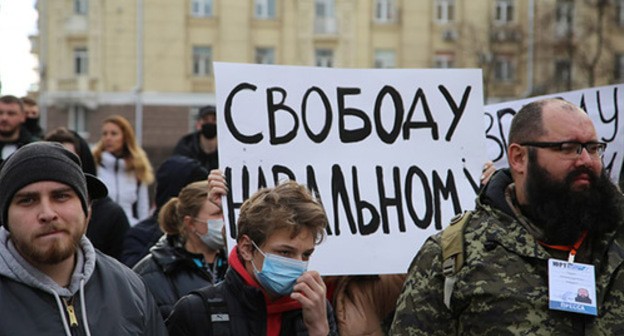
(103, 298)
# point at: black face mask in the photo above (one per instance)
(31, 123)
(209, 131)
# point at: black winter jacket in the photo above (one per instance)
(139, 239)
(189, 146)
(24, 138)
(245, 307)
(107, 227)
(170, 272)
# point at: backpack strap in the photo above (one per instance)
(216, 307)
(453, 252)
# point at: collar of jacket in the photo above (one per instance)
(170, 254)
(502, 229)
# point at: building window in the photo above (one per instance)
(265, 9)
(563, 72)
(77, 120)
(265, 56)
(202, 61)
(80, 7)
(385, 11)
(445, 11)
(504, 11)
(324, 8)
(385, 59)
(325, 17)
(324, 58)
(563, 17)
(201, 8)
(503, 69)
(81, 61)
(619, 12)
(444, 61)
(619, 67)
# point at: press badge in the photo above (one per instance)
(571, 287)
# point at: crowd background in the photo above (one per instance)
(176, 242)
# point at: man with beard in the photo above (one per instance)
(201, 145)
(52, 280)
(555, 207)
(12, 134)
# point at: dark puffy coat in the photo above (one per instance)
(24, 138)
(170, 272)
(139, 239)
(245, 306)
(189, 146)
(107, 227)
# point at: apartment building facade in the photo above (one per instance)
(151, 60)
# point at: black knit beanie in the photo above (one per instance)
(45, 161)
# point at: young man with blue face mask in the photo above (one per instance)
(267, 289)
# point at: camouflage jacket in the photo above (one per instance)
(502, 289)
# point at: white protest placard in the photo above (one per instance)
(604, 105)
(393, 153)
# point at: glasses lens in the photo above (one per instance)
(570, 149)
(595, 149)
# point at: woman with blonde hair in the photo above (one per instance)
(191, 254)
(124, 167)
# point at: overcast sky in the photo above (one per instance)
(18, 19)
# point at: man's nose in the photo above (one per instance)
(47, 213)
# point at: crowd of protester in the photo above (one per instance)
(163, 266)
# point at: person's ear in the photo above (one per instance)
(245, 248)
(188, 223)
(518, 158)
(89, 211)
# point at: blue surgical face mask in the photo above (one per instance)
(214, 236)
(279, 274)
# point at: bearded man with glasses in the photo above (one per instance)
(548, 225)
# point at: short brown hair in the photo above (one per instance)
(188, 203)
(29, 101)
(9, 99)
(287, 206)
(63, 135)
(528, 125)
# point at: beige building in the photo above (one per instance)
(151, 60)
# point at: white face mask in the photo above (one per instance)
(213, 238)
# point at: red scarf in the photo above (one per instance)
(274, 308)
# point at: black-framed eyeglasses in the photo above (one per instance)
(571, 149)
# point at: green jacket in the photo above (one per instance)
(502, 289)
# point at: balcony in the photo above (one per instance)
(327, 26)
(507, 34)
(80, 83)
(77, 25)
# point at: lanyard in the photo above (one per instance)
(572, 249)
(205, 266)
